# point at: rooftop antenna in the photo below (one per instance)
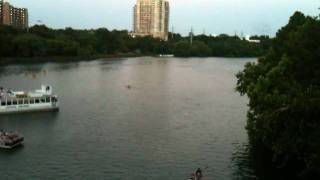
(191, 36)
(172, 33)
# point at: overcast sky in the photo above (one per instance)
(213, 16)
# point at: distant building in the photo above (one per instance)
(12, 16)
(151, 18)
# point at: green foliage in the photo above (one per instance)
(220, 46)
(27, 45)
(42, 41)
(284, 92)
(182, 49)
(200, 49)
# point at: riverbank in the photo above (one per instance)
(59, 59)
(35, 60)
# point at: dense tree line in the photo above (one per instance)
(41, 41)
(221, 46)
(284, 92)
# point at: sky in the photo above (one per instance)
(247, 17)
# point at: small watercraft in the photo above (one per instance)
(197, 175)
(22, 101)
(9, 140)
(166, 55)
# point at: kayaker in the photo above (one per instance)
(199, 173)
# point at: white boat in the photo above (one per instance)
(166, 55)
(9, 140)
(20, 101)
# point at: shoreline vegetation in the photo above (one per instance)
(59, 45)
(284, 99)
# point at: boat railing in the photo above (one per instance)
(26, 101)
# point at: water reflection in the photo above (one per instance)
(251, 161)
(243, 163)
(25, 120)
(36, 70)
(11, 152)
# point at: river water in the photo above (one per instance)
(136, 118)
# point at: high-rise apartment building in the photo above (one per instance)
(151, 18)
(12, 16)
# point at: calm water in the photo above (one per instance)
(180, 114)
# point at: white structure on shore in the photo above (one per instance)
(252, 40)
(151, 18)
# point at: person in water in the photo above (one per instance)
(196, 175)
(199, 173)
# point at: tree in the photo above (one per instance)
(284, 92)
(182, 49)
(28, 45)
(42, 31)
(200, 49)
(44, 41)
